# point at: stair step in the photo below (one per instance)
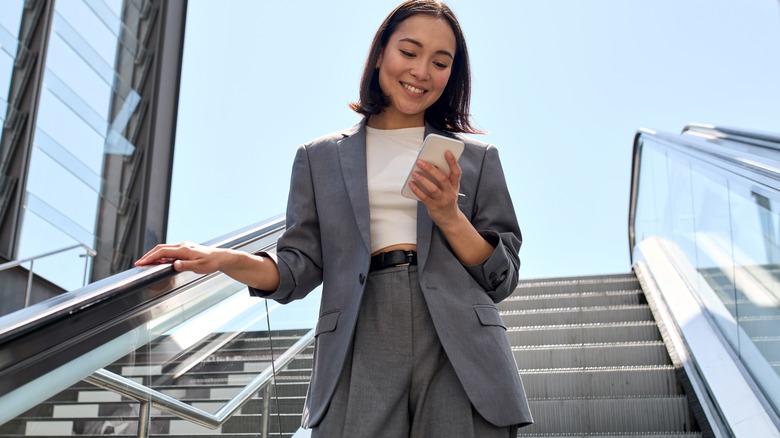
(170, 426)
(232, 360)
(660, 380)
(80, 409)
(586, 315)
(584, 333)
(577, 284)
(564, 300)
(591, 355)
(622, 415)
(162, 352)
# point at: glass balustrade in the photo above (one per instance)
(187, 341)
(715, 199)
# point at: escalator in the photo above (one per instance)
(684, 346)
(593, 360)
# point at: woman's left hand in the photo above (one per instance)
(438, 191)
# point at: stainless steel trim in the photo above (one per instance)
(737, 134)
(14, 263)
(28, 289)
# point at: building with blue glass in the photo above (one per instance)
(89, 92)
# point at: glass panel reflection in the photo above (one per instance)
(727, 226)
(83, 114)
(10, 18)
(201, 346)
(713, 244)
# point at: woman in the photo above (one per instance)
(409, 342)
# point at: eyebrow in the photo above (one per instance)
(420, 45)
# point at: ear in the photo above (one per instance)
(379, 58)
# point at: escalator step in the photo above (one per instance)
(591, 355)
(601, 382)
(626, 415)
(584, 333)
(585, 315)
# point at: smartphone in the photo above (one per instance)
(432, 151)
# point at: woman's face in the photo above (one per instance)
(414, 68)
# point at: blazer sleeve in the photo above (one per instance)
(298, 253)
(495, 219)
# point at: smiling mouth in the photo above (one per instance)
(413, 89)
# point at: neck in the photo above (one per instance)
(384, 120)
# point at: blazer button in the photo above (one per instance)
(361, 278)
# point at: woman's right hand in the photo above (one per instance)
(186, 256)
(253, 270)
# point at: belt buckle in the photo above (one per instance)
(409, 256)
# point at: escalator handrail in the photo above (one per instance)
(720, 152)
(68, 304)
(763, 139)
(122, 385)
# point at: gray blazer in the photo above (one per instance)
(327, 241)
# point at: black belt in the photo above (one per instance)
(393, 258)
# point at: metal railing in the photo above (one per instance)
(22, 344)
(149, 397)
(15, 263)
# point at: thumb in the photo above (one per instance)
(181, 265)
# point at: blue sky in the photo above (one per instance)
(562, 86)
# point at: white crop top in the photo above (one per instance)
(390, 154)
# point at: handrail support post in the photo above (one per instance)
(28, 289)
(266, 411)
(144, 419)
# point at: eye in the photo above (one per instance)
(407, 53)
(440, 65)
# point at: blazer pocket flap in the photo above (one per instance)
(488, 315)
(327, 323)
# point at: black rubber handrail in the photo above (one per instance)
(42, 337)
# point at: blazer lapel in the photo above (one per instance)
(352, 155)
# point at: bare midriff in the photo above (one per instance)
(400, 246)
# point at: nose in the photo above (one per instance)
(421, 71)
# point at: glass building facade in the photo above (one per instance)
(86, 129)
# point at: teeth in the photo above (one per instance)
(413, 89)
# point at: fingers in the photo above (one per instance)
(166, 253)
(455, 170)
(434, 182)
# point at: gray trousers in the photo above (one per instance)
(398, 381)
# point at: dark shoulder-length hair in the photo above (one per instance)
(451, 111)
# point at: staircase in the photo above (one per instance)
(593, 360)
(86, 410)
(591, 356)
